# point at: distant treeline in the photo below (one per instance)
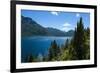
(78, 48)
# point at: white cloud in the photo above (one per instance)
(54, 13)
(77, 15)
(66, 25)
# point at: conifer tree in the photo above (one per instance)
(54, 50)
(66, 44)
(79, 39)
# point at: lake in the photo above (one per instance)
(37, 45)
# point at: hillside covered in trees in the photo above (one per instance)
(78, 48)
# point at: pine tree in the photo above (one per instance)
(79, 40)
(66, 44)
(54, 51)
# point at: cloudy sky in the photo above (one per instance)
(64, 21)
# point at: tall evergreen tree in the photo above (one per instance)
(53, 51)
(79, 39)
(66, 44)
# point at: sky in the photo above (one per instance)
(64, 21)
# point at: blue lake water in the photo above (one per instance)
(38, 45)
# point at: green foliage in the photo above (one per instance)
(66, 44)
(87, 33)
(54, 51)
(79, 41)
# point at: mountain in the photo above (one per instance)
(70, 33)
(55, 32)
(30, 27)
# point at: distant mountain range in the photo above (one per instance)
(30, 27)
